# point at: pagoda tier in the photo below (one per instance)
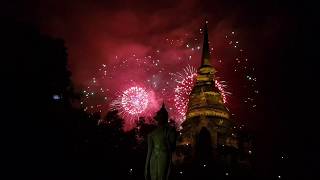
(206, 109)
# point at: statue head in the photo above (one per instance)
(162, 115)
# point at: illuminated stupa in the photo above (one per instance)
(206, 109)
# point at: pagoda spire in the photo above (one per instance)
(205, 59)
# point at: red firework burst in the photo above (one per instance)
(132, 102)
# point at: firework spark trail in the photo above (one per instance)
(185, 82)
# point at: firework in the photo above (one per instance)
(185, 82)
(134, 100)
(131, 103)
(221, 85)
(159, 72)
(94, 97)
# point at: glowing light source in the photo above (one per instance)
(56, 97)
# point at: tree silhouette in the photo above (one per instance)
(38, 97)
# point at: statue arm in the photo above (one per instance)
(147, 165)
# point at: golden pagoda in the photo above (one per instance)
(206, 109)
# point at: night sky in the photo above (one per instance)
(262, 49)
(113, 46)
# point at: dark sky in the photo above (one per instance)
(94, 31)
(277, 35)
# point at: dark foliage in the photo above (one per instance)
(49, 138)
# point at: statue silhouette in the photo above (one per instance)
(161, 144)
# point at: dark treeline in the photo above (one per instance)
(49, 138)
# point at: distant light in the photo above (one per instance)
(204, 165)
(56, 97)
(227, 174)
(250, 152)
(181, 172)
(130, 170)
(279, 177)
